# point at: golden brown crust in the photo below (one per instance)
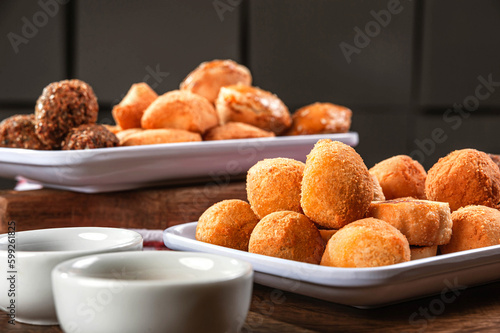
(287, 235)
(421, 252)
(473, 227)
(495, 159)
(400, 176)
(253, 106)
(336, 188)
(129, 112)
(235, 130)
(113, 128)
(366, 243)
(378, 194)
(228, 223)
(274, 185)
(464, 177)
(319, 118)
(155, 136)
(424, 223)
(181, 110)
(122, 135)
(207, 79)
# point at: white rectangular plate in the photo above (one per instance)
(359, 287)
(122, 168)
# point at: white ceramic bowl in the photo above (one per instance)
(161, 291)
(37, 252)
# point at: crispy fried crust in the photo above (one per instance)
(228, 223)
(326, 234)
(473, 227)
(154, 136)
(287, 235)
(464, 177)
(319, 118)
(122, 135)
(421, 252)
(400, 176)
(89, 136)
(274, 185)
(423, 222)
(207, 79)
(378, 193)
(113, 128)
(129, 112)
(18, 131)
(253, 106)
(336, 188)
(180, 110)
(366, 243)
(235, 130)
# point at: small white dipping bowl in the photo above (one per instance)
(152, 292)
(37, 252)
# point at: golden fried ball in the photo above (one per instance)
(336, 188)
(287, 235)
(228, 223)
(274, 185)
(400, 176)
(366, 243)
(473, 227)
(464, 177)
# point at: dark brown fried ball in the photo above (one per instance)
(228, 223)
(473, 227)
(287, 235)
(464, 177)
(274, 185)
(366, 243)
(336, 188)
(19, 132)
(320, 118)
(89, 136)
(62, 106)
(400, 176)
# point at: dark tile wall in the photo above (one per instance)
(399, 65)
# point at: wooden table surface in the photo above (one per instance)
(476, 309)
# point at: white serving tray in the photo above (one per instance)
(359, 287)
(122, 168)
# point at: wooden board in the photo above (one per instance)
(153, 208)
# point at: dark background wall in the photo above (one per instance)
(422, 77)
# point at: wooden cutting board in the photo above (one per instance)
(152, 208)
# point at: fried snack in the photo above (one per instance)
(421, 252)
(207, 79)
(366, 243)
(320, 118)
(113, 128)
(423, 222)
(378, 194)
(228, 223)
(495, 158)
(253, 106)
(122, 135)
(473, 227)
(336, 188)
(274, 185)
(19, 132)
(155, 136)
(181, 110)
(89, 136)
(400, 176)
(287, 235)
(326, 234)
(129, 111)
(464, 177)
(235, 130)
(62, 106)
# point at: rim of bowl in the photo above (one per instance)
(135, 239)
(62, 268)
